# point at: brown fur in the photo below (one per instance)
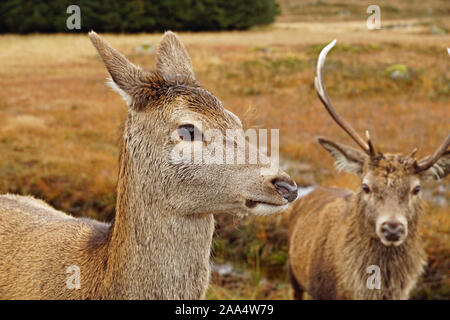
(333, 237)
(158, 246)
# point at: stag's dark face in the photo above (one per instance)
(390, 197)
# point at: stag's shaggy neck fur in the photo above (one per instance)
(399, 266)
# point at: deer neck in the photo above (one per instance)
(153, 252)
(398, 266)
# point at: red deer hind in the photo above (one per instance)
(158, 246)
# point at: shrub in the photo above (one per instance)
(25, 16)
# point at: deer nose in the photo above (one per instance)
(286, 188)
(392, 231)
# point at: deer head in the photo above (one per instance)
(168, 109)
(389, 199)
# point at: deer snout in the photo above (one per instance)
(392, 230)
(269, 194)
(287, 188)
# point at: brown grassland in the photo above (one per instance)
(59, 123)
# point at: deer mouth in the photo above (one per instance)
(249, 203)
(264, 208)
(252, 203)
(388, 243)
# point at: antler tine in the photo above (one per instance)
(412, 153)
(323, 96)
(369, 142)
(430, 161)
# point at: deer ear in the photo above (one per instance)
(440, 169)
(346, 158)
(173, 62)
(126, 78)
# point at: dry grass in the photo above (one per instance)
(351, 10)
(59, 122)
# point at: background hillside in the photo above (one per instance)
(59, 123)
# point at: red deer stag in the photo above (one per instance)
(339, 239)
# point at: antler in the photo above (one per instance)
(323, 96)
(412, 153)
(430, 161)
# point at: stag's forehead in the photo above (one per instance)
(390, 169)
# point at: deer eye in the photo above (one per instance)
(415, 191)
(365, 188)
(188, 132)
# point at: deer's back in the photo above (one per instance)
(37, 246)
(314, 235)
